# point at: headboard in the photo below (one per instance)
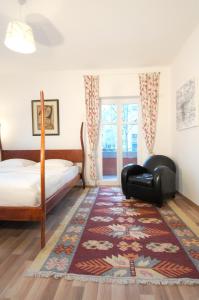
(74, 155)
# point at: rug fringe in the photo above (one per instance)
(107, 279)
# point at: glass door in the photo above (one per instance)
(129, 133)
(109, 128)
(118, 137)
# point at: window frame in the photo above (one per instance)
(119, 101)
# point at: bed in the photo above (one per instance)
(20, 186)
(30, 192)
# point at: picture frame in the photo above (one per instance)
(187, 105)
(51, 117)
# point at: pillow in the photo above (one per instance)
(16, 162)
(57, 163)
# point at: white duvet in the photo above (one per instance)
(21, 186)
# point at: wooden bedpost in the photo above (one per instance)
(42, 170)
(83, 154)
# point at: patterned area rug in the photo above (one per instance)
(107, 238)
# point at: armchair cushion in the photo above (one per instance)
(132, 169)
(128, 170)
(145, 179)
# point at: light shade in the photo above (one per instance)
(19, 37)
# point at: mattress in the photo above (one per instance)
(21, 186)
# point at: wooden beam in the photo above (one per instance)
(42, 163)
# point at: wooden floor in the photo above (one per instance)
(19, 244)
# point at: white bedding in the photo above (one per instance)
(21, 186)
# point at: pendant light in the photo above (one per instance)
(19, 37)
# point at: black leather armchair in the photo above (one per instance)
(154, 181)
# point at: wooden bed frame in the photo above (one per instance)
(25, 213)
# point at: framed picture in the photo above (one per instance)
(187, 105)
(51, 111)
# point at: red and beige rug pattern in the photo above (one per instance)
(107, 238)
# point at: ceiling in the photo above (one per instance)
(99, 34)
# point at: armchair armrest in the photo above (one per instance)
(165, 179)
(130, 169)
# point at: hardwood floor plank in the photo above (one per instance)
(104, 291)
(16, 283)
(146, 292)
(23, 244)
(37, 290)
(118, 292)
(90, 291)
(159, 292)
(191, 293)
(76, 291)
(132, 289)
(63, 290)
(173, 292)
(51, 288)
(147, 297)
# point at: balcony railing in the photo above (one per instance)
(110, 161)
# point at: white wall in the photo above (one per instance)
(17, 91)
(185, 143)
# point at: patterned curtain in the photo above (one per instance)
(149, 93)
(93, 118)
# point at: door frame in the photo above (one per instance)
(118, 101)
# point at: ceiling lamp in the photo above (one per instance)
(19, 37)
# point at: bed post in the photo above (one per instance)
(83, 154)
(42, 170)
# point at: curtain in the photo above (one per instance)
(93, 119)
(149, 94)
